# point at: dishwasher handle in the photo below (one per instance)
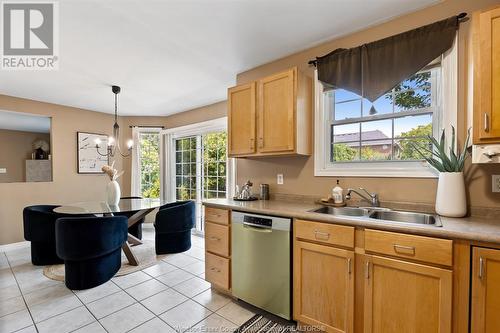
(257, 228)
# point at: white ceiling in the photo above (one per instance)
(17, 121)
(174, 55)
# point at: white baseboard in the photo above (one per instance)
(14, 246)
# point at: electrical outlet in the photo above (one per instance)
(3, 170)
(279, 179)
(495, 183)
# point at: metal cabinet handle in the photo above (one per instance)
(367, 270)
(481, 268)
(214, 238)
(213, 269)
(321, 235)
(405, 249)
(486, 123)
(261, 142)
(349, 266)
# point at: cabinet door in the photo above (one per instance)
(324, 286)
(241, 119)
(485, 306)
(276, 113)
(406, 297)
(489, 73)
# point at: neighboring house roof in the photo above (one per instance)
(352, 139)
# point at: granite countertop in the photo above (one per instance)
(467, 228)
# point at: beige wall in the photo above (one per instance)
(15, 148)
(67, 185)
(299, 171)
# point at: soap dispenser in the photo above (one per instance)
(338, 194)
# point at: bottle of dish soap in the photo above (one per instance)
(338, 194)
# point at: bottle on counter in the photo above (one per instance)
(338, 194)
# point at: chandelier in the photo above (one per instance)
(113, 142)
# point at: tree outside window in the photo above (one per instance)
(150, 164)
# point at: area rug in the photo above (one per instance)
(262, 324)
(145, 254)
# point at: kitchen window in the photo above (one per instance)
(385, 130)
(362, 138)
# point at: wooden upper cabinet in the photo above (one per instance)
(485, 304)
(487, 76)
(324, 286)
(241, 119)
(278, 109)
(276, 112)
(405, 297)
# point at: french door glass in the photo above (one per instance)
(200, 169)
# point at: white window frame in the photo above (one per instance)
(169, 136)
(135, 174)
(447, 115)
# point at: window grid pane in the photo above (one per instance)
(387, 129)
(200, 169)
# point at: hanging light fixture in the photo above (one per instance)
(114, 140)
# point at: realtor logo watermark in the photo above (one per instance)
(30, 35)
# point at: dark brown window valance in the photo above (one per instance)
(372, 69)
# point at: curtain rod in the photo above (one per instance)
(462, 17)
(146, 126)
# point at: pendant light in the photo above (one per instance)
(113, 143)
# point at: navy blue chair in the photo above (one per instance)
(91, 248)
(136, 229)
(173, 224)
(39, 224)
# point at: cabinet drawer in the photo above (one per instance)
(427, 249)
(325, 233)
(216, 215)
(217, 238)
(217, 270)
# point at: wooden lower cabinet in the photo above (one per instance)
(218, 247)
(323, 286)
(485, 298)
(400, 296)
(217, 270)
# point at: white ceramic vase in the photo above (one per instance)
(450, 199)
(113, 193)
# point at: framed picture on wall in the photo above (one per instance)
(88, 158)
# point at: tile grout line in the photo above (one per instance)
(22, 295)
(136, 301)
(85, 305)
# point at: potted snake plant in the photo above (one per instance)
(450, 198)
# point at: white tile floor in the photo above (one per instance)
(169, 297)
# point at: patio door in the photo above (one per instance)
(198, 166)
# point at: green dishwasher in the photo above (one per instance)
(261, 262)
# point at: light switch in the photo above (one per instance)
(495, 183)
(3, 170)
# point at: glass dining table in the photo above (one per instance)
(136, 209)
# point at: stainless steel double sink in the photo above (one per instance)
(381, 214)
